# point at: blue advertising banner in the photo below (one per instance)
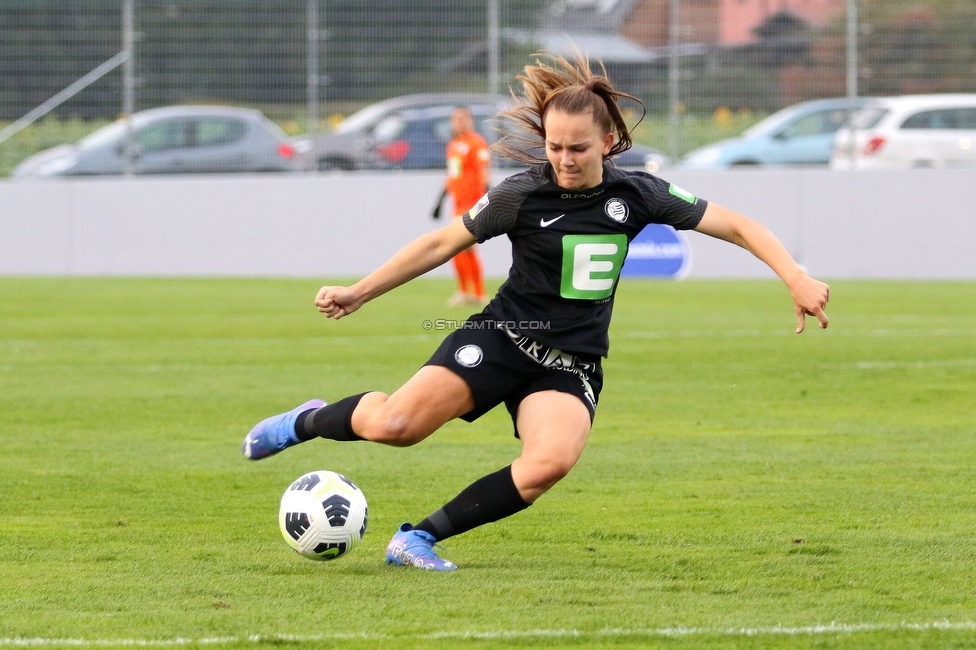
(658, 251)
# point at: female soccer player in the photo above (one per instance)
(537, 346)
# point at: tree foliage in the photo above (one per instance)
(908, 46)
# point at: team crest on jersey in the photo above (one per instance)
(469, 356)
(478, 207)
(617, 210)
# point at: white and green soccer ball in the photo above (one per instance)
(323, 515)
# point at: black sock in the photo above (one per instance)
(488, 499)
(332, 421)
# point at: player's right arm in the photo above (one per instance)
(425, 253)
(810, 296)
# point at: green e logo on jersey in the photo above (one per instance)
(591, 265)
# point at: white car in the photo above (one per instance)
(936, 131)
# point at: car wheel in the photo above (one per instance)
(335, 164)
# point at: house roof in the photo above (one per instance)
(586, 15)
(568, 27)
(597, 46)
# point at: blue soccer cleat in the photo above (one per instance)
(411, 547)
(276, 433)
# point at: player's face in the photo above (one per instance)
(461, 122)
(576, 145)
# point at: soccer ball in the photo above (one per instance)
(323, 515)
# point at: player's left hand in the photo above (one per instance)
(810, 297)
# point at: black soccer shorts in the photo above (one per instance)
(501, 366)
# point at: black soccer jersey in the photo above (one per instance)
(568, 248)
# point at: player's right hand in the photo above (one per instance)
(810, 298)
(336, 302)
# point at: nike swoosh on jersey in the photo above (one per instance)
(546, 224)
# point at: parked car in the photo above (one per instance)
(357, 141)
(643, 157)
(417, 139)
(802, 134)
(173, 140)
(909, 131)
(413, 134)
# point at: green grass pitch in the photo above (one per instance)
(744, 487)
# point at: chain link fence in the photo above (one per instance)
(705, 69)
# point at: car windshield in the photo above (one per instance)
(389, 129)
(815, 124)
(771, 123)
(366, 117)
(104, 136)
(274, 128)
(783, 119)
(866, 118)
(361, 119)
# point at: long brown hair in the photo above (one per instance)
(570, 87)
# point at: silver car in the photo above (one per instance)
(173, 140)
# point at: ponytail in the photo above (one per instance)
(568, 87)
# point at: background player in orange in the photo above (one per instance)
(468, 178)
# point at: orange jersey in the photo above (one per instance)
(467, 159)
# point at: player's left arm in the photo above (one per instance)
(810, 296)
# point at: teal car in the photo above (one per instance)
(802, 134)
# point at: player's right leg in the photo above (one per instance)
(430, 398)
(274, 434)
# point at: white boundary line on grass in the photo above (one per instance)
(831, 628)
(786, 332)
